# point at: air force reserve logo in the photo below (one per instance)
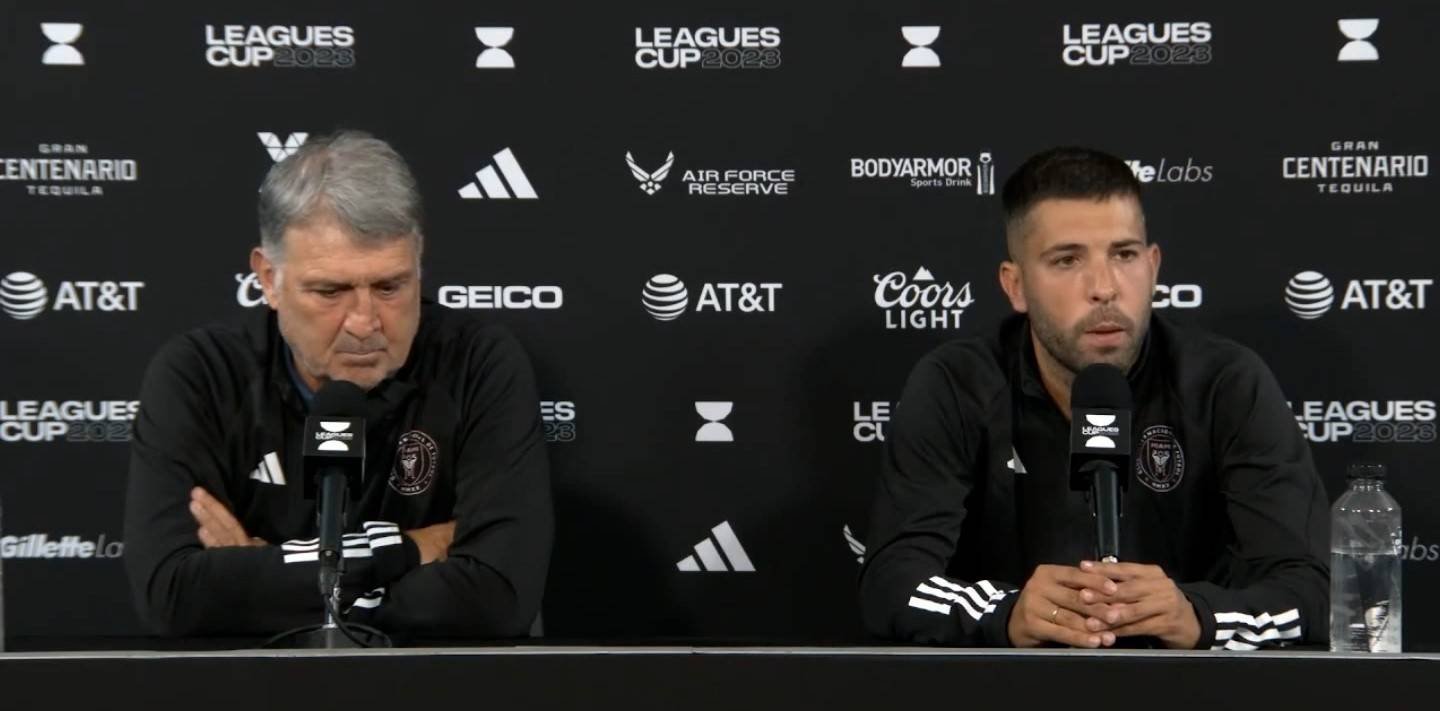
(1160, 462)
(650, 182)
(416, 457)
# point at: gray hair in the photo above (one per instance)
(357, 179)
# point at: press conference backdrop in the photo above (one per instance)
(724, 232)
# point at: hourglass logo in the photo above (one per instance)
(1359, 48)
(494, 38)
(920, 37)
(713, 412)
(63, 34)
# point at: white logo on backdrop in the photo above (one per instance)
(707, 556)
(650, 182)
(23, 295)
(488, 184)
(63, 34)
(665, 297)
(494, 56)
(280, 150)
(714, 412)
(1359, 48)
(920, 38)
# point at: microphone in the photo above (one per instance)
(334, 462)
(1100, 405)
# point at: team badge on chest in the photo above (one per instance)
(1160, 462)
(416, 457)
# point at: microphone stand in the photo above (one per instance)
(334, 633)
(1105, 507)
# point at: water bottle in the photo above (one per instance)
(1365, 558)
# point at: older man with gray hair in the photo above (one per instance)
(452, 532)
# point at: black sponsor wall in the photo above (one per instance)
(1226, 112)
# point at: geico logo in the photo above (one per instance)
(1177, 296)
(502, 297)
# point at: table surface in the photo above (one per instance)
(699, 677)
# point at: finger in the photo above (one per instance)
(228, 527)
(1133, 614)
(1122, 571)
(1152, 626)
(1051, 632)
(1129, 591)
(1073, 600)
(1078, 579)
(1077, 622)
(213, 522)
(202, 515)
(207, 538)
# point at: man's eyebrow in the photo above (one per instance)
(1066, 247)
(324, 283)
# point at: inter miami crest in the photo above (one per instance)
(1159, 461)
(416, 457)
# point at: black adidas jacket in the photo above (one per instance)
(974, 493)
(454, 435)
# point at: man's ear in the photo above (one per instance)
(267, 271)
(1010, 283)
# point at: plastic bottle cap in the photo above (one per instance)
(1365, 471)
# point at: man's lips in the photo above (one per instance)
(1105, 328)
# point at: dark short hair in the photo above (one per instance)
(1066, 172)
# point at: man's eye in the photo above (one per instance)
(1128, 254)
(1065, 261)
(327, 293)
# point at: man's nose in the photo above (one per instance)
(1103, 284)
(363, 318)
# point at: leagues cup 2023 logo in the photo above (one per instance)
(707, 47)
(284, 46)
(1136, 43)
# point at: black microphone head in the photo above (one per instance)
(1101, 386)
(339, 398)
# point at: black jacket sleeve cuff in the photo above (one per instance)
(1204, 614)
